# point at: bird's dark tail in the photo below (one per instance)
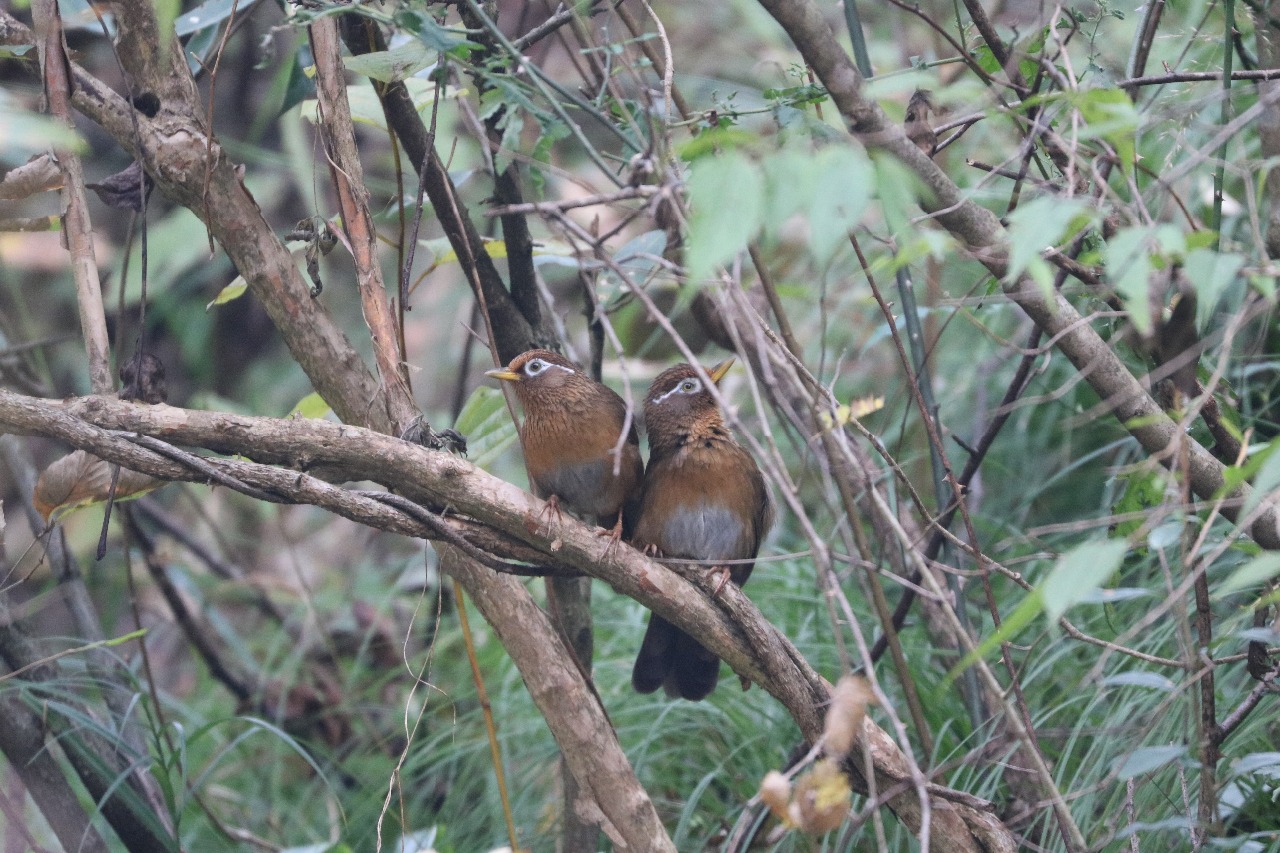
(671, 659)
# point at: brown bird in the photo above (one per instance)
(703, 499)
(571, 426)
(917, 121)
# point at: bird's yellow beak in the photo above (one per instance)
(717, 373)
(503, 374)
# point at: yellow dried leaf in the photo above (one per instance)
(856, 410)
(822, 798)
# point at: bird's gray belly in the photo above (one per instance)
(581, 486)
(705, 531)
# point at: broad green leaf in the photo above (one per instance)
(1257, 571)
(1165, 535)
(1129, 267)
(789, 179)
(1210, 273)
(1080, 570)
(512, 124)
(1114, 595)
(896, 188)
(1041, 224)
(1146, 759)
(393, 65)
(1111, 115)
(841, 191)
(726, 194)
(487, 425)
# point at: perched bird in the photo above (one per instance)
(703, 499)
(571, 426)
(917, 122)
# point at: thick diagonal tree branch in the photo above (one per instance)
(730, 625)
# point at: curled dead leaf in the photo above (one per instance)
(775, 792)
(81, 479)
(849, 701)
(822, 798)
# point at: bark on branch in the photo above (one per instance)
(730, 625)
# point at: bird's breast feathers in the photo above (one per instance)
(708, 531)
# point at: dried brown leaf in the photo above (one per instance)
(81, 479)
(849, 701)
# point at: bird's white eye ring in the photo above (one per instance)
(690, 386)
(535, 367)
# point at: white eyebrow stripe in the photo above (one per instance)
(672, 391)
(558, 366)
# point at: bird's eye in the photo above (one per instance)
(690, 386)
(535, 367)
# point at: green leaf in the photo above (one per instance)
(311, 406)
(230, 293)
(1022, 616)
(210, 14)
(1143, 490)
(789, 179)
(1268, 477)
(1257, 571)
(431, 34)
(726, 194)
(487, 425)
(1140, 679)
(986, 59)
(1111, 115)
(713, 140)
(1255, 761)
(1080, 570)
(640, 257)
(24, 133)
(1042, 223)
(1129, 267)
(1210, 273)
(367, 109)
(841, 191)
(896, 188)
(393, 65)
(1146, 759)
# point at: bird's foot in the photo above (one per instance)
(615, 536)
(724, 573)
(542, 521)
(552, 508)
